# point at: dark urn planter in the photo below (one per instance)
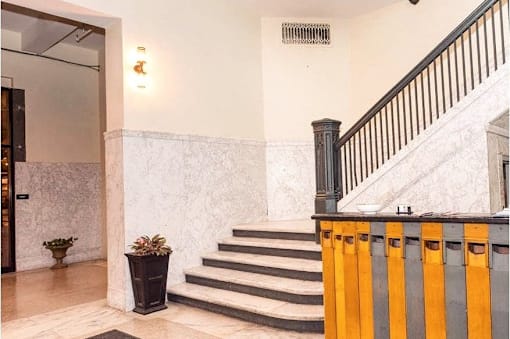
(148, 278)
(59, 253)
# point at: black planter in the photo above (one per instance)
(148, 277)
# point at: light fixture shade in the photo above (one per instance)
(141, 74)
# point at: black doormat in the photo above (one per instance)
(113, 334)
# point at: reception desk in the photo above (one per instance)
(410, 276)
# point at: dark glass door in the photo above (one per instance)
(7, 233)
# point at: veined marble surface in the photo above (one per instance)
(192, 190)
(118, 271)
(65, 200)
(446, 168)
(177, 322)
(290, 170)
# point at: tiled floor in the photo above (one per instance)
(33, 292)
(70, 304)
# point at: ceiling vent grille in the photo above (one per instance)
(305, 34)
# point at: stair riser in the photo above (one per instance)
(257, 291)
(279, 252)
(274, 235)
(292, 325)
(312, 276)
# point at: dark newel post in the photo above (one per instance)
(327, 185)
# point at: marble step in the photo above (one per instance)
(276, 247)
(269, 312)
(287, 229)
(295, 268)
(279, 288)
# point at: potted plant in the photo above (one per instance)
(58, 247)
(148, 265)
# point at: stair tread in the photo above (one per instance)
(290, 226)
(288, 285)
(273, 243)
(254, 304)
(296, 264)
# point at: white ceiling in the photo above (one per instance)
(30, 23)
(314, 8)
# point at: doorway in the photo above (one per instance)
(13, 149)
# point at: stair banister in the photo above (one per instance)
(419, 68)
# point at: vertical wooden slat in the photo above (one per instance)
(410, 111)
(416, 107)
(486, 43)
(387, 134)
(354, 167)
(344, 169)
(433, 280)
(456, 70)
(478, 53)
(477, 281)
(371, 150)
(398, 124)
(501, 23)
(429, 95)
(423, 102)
(396, 280)
(463, 64)
(350, 165)
(392, 127)
(442, 84)
(450, 88)
(435, 90)
(365, 149)
(494, 39)
(376, 140)
(471, 66)
(360, 158)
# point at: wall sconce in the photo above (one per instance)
(138, 68)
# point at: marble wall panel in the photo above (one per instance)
(190, 189)
(65, 200)
(290, 170)
(118, 270)
(446, 168)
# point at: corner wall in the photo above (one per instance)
(190, 189)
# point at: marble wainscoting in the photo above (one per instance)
(65, 200)
(446, 167)
(118, 270)
(290, 170)
(190, 189)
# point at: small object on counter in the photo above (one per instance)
(404, 209)
(505, 213)
(368, 208)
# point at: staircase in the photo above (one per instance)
(448, 77)
(269, 273)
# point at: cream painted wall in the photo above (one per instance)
(204, 82)
(302, 82)
(387, 43)
(369, 54)
(62, 102)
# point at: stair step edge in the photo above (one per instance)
(267, 243)
(253, 304)
(296, 264)
(280, 284)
